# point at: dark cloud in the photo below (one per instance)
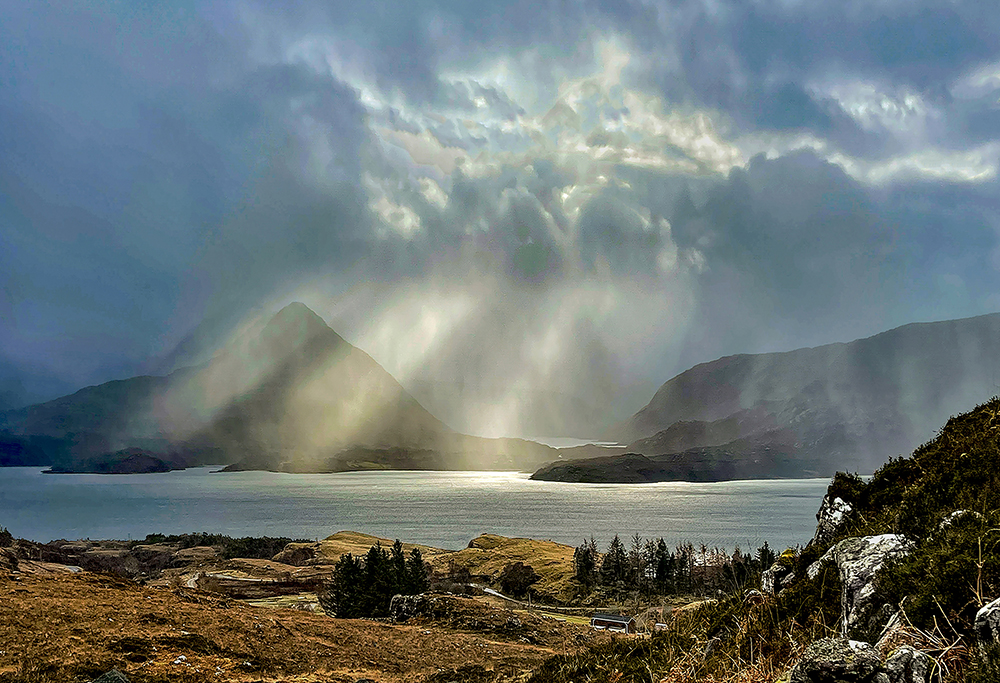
(163, 166)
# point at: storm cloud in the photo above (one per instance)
(532, 214)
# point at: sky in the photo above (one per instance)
(540, 209)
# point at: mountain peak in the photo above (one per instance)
(295, 324)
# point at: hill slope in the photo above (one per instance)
(850, 405)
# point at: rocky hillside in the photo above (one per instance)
(849, 405)
(900, 584)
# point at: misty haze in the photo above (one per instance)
(449, 340)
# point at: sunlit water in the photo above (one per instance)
(443, 509)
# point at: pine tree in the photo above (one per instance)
(663, 564)
(416, 574)
(397, 568)
(615, 564)
(585, 564)
(342, 596)
(376, 584)
(636, 566)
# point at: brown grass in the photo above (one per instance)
(75, 627)
(489, 554)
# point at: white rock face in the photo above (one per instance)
(831, 516)
(858, 559)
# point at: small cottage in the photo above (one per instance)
(613, 622)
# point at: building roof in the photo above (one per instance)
(612, 617)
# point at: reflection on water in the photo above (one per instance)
(444, 509)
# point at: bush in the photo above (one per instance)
(517, 578)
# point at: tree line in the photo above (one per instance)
(649, 567)
(364, 586)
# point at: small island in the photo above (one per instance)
(127, 461)
(762, 457)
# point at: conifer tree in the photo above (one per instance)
(585, 563)
(342, 596)
(615, 564)
(416, 574)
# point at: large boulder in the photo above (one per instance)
(838, 660)
(987, 625)
(832, 515)
(858, 559)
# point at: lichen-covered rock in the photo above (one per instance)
(908, 665)
(838, 660)
(770, 579)
(833, 512)
(987, 625)
(858, 559)
(405, 607)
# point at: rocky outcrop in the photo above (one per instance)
(838, 660)
(858, 559)
(8, 560)
(987, 626)
(832, 515)
(298, 554)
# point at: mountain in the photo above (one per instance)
(286, 394)
(848, 405)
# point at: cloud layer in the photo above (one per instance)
(531, 213)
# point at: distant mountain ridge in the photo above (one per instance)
(290, 394)
(849, 405)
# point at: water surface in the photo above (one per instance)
(443, 509)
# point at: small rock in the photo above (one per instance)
(834, 660)
(770, 579)
(908, 665)
(987, 625)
